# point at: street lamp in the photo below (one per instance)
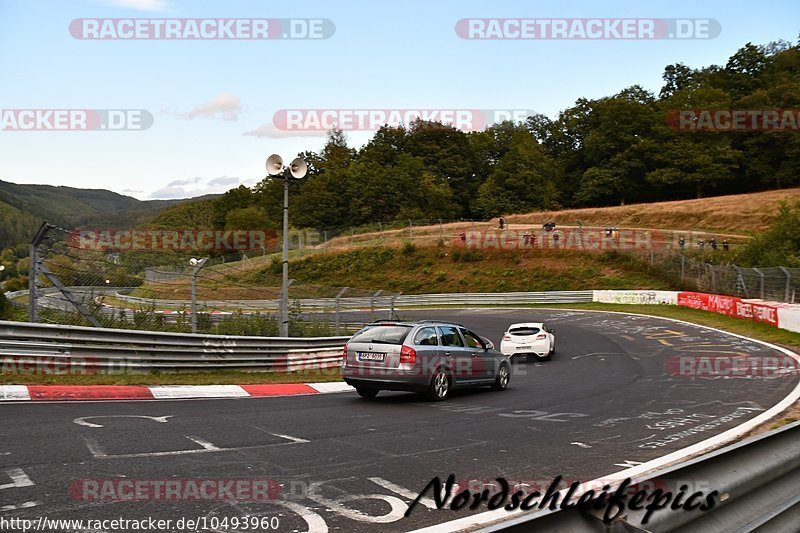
(297, 169)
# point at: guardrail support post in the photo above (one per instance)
(391, 305)
(336, 300)
(788, 283)
(372, 303)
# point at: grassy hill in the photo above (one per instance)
(439, 269)
(24, 207)
(738, 213)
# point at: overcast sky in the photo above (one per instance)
(213, 102)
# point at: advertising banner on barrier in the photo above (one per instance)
(733, 306)
(789, 318)
(635, 297)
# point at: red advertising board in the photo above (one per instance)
(730, 306)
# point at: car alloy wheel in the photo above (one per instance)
(440, 385)
(503, 377)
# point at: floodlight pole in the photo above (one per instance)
(284, 307)
(297, 169)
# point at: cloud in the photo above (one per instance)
(140, 5)
(269, 130)
(188, 181)
(196, 186)
(225, 180)
(226, 105)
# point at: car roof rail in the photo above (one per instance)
(448, 322)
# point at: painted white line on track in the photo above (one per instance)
(25, 505)
(81, 421)
(18, 479)
(289, 437)
(427, 502)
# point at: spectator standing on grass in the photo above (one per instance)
(681, 243)
(502, 223)
(725, 245)
(701, 244)
(713, 243)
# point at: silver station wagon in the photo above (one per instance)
(430, 357)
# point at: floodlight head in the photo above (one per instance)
(274, 165)
(299, 168)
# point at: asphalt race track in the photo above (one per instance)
(340, 463)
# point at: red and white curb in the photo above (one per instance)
(162, 392)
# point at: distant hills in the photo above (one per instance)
(24, 207)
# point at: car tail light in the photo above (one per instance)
(541, 336)
(408, 355)
(506, 337)
(344, 355)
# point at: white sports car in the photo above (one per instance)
(528, 339)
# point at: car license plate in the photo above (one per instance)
(370, 356)
(523, 347)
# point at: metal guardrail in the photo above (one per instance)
(403, 300)
(122, 350)
(757, 480)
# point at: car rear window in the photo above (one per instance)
(524, 331)
(382, 334)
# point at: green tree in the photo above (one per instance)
(523, 180)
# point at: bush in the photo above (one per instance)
(471, 256)
(409, 249)
(779, 245)
(4, 306)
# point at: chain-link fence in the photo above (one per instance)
(778, 284)
(77, 278)
(163, 288)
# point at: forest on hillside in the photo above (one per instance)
(608, 151)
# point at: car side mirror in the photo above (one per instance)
(489, 344)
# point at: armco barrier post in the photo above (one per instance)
(391, 306)
(336, 300)
(372, 303)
